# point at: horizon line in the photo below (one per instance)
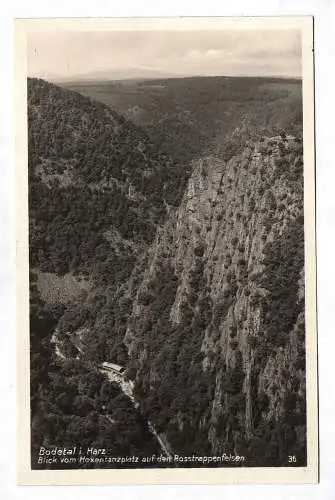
(84, 78)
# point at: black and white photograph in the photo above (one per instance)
(169, 180)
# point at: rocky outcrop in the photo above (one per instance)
(221, 306)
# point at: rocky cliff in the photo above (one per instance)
(216, 336)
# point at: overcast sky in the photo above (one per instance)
(56, 55)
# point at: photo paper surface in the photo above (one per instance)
(166, 251)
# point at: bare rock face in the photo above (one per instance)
(216, 335)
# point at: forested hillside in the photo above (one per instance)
(98, 190)
(100, 172)
(188, 272)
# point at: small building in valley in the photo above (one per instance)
(113, 367)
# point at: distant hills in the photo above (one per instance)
(186, 116)
(119, 74)
(139, 74)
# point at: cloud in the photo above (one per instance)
(60, 54)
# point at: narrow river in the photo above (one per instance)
(127, 387)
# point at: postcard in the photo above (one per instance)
(166, 270)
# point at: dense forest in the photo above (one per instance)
(181, 241)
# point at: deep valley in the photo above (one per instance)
(166, 236)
